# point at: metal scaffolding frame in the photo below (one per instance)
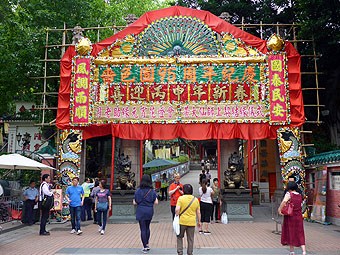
(287, 31)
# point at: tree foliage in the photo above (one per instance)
(22, 35)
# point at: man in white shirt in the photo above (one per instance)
(44, 191)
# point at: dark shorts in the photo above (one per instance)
(206, 211)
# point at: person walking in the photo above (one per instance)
(202, 164)
(188, 208)
(207, 164)
(44, 192)
(292, 229)
(164, 187)
(87, 186)
(94, 191)
(145, 198)
(175, 191)
(206, 206)
(201, 177)
(216, 199)
(102, 205)
(32, 196)
(208, 176)
(214, 162)
(75, 197)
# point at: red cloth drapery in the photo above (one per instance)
(187, 131)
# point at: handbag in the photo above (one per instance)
(287, 209)
(102, 206)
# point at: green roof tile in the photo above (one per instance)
(323, 158)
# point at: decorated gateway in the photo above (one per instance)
(186, 73)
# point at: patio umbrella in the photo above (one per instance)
(17, 161)
(160, 162)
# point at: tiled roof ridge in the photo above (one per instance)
(323, 158)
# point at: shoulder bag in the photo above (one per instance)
(288, 209)
(147, 193)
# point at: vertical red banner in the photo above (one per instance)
(81, 87)
(278, 91)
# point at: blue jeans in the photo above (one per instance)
(99, 218)
(145, 231)
(75, 217)
(86, 208)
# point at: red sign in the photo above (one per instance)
(278, 92)
(81, 87)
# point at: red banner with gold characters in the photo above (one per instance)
(187, 80)
(80, 93)
(278, 89)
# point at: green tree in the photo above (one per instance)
(22, 35)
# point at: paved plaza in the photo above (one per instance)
(234, 238)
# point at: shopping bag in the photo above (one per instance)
(175, 225)
(224, 218)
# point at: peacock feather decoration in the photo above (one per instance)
(175, 36)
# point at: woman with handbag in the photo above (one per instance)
(292, 228)
(102, 205)
(188, 208)
(145, 199)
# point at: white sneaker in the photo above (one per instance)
(79, 232)
(73, 231)
(100, 229)
(102, 232)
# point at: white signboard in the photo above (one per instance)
(335, 181)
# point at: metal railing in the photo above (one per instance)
(276, 217)
(10, 208)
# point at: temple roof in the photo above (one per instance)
(323, 158)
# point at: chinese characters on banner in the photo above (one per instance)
(81, 87)
(175, 93)
(278, 93)
(170, 113)
(225, 82)
(173, 74)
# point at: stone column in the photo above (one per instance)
(132, 148)
(227, 148)
(123, 211)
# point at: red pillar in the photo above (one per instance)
(112, 167)
(112, 161)
(219, 171)
(218, 162)
(141, 159)
(249, 172)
